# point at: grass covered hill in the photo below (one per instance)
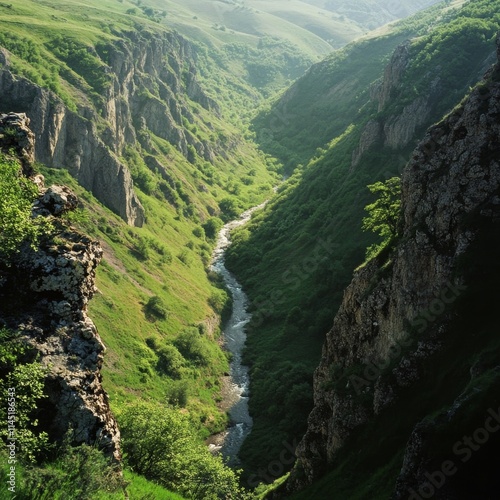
(165, 91)
(176, 124)
(273, 43)
(64, 47)
(351, 123)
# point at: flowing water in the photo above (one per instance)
(235, 386)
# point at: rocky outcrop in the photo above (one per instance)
(397, 127)
(16, 137)
(58, 280)
(393, 75)
(396, 312)
(370, 137)
(151, 79)
(65, 139)
(44, 294)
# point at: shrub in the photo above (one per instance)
(185, 257)
(23, 384)
(170, 361)
(156, 308)
(78, 472)
(193, 346)
(17, 194)
(212, 227)
(199, 232)
(177, 394)
(160, 444)
(143, 247)
(230, 207)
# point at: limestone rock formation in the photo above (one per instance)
(150, 78)
(399, 128)
(68, 140)
(17, 137)
(397, 312)
(44, 293)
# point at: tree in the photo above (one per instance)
(17, 225)
(383, 213)
(22, 387)
(160, 444)
(212, 227)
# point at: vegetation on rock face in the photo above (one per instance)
(383, 213)
(17, 194)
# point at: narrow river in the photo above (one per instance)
(235, 387)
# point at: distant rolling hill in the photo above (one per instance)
(314, 26)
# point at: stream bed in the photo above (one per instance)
(235, 386)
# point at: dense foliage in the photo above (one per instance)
(160, 444)
(301, 250)
(384, 213)
(17, 224)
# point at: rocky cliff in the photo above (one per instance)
(420, 314)
(44, 294)
(151, 79)
(399, 127)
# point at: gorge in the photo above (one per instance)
(148, 130)
(235, 389)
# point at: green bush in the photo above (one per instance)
(193, 346)
(156, 308)
(212, 227)
(199, 232)
(17, 194)
(230, 208)
(170, 361)
(160, 444)
(22, 387)
(78, 472)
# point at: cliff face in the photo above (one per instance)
(151, 78)
(398, 313)
(399, 128)
(44, 296)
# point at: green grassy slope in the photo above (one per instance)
(372, 13)
(309, 29)
(169, 256)
(298, 255)
(170, 353)
(333, 93)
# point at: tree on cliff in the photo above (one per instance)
(383, 213)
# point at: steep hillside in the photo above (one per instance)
(339, 90)
(123, 105)
(273, 43)
(406, 393)
(296, 258)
